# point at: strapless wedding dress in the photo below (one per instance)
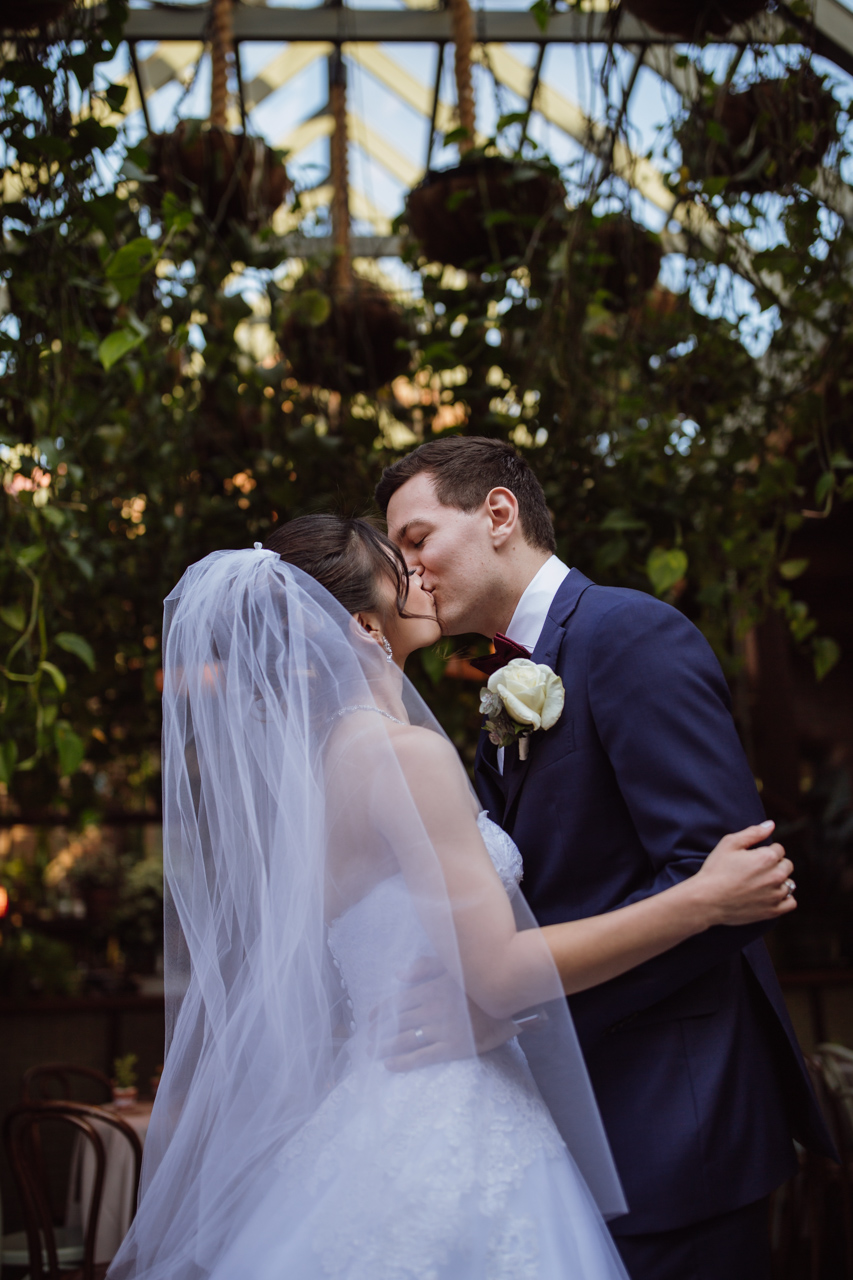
(460, 1174)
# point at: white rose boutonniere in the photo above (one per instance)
(520, 698)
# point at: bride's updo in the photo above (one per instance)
(350, 558)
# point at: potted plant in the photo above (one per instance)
(694, 21)
(762, 137)
(350, 341)
(487, 208)
(125, 1091)
(235, 177)
(611, 256)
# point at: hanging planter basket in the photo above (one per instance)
(486, 209)
(354, 344)
(694, 21)
(626, 259)
(31, 15)
(761, 138)
(237, 178)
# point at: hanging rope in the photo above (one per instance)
(221, 50)
(339, 172)
(462, 21)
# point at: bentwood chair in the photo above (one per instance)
(827, 1187)
(27, 1126)
(64, 1081)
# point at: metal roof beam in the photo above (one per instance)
(422, 25)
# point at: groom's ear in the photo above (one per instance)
(502, 511)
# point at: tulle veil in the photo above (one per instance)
(263, 671)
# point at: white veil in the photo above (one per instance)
(279, 799)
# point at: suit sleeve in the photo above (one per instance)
(662, 711)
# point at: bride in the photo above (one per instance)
(320, 840)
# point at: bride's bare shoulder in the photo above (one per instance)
(426, 756)
(362, 733)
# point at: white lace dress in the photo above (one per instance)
(462, 1176)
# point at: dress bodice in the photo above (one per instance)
(369, 940)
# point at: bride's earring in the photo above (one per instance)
(386, 645)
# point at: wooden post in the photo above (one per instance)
(221, 49)
(462, 20)
(339, 172)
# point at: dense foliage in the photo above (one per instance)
(148, 414)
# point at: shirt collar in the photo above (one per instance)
(532, 609)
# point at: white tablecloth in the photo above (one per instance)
(117, 1198)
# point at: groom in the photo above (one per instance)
(693, 1059)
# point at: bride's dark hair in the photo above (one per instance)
(349, 557)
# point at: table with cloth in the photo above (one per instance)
(117, 1205)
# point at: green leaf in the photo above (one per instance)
(70, 747)
(714, 186)
(55, 674)
(29, 555)
(95, 136)
(434, 662)
(621, 521)
(82, 65)
(512, 117)
(665, 568)
(825, 654)
(115, 95)
(176, 216)
(116, 345)
(541, 11)
(75, 644)
(53, 516)
(824, 486)
(13, 615)
(793, 568)
(128, 265)
(8, 760)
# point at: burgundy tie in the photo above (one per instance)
(505, 651)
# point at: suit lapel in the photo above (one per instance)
(547, 652)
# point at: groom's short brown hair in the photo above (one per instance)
(464, 469)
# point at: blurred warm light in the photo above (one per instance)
(4, 901)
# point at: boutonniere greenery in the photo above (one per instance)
(520, 698)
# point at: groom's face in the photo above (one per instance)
(451, 548)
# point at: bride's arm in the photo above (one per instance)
(505, 970)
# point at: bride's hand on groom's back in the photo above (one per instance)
(744, 884)
(427, 1023)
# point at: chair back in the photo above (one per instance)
(836, 1064)
(23, 1135)
(56, 1081)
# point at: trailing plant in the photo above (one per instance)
(149, 413)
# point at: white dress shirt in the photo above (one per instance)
(527, 622)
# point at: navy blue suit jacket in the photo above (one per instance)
(693, 1058)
